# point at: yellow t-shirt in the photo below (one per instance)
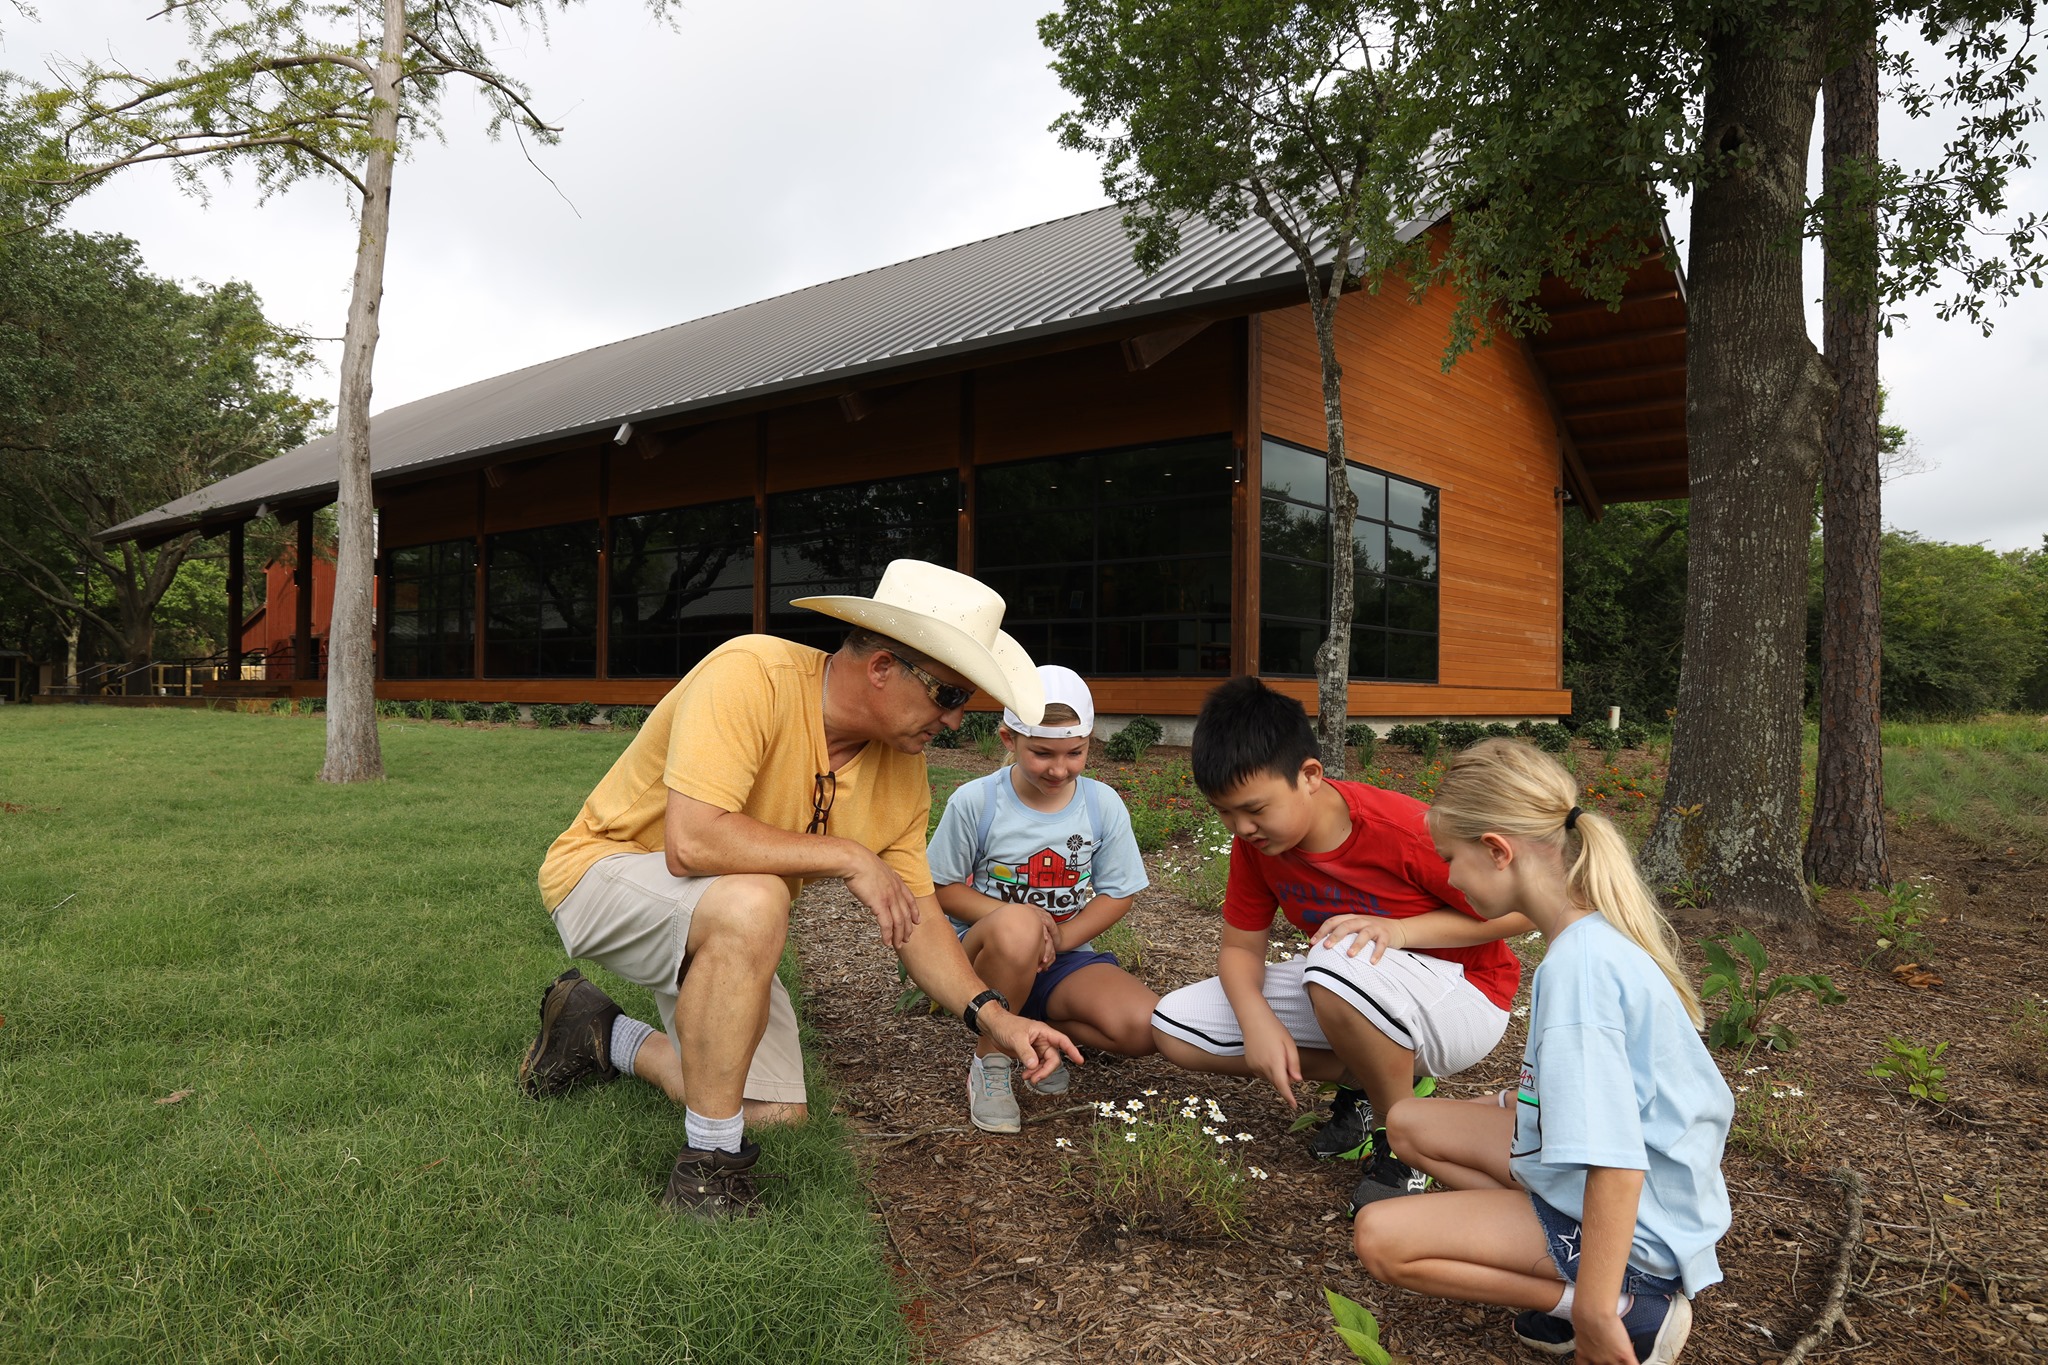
(745, 731)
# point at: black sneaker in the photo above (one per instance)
(1546, 1332)
(575, 1042)
(1348, 1133)
(715, 1185)
(1386, 1176)
(1657, 1327)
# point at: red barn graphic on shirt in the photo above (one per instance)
(1048, 869)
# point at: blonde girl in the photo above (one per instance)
(1590, 1196)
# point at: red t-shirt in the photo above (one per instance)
(1388, 866)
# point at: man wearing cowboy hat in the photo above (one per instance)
(771, 765)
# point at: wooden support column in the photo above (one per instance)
(761, 524)
(964, 552)
(305, 662)
(1244, 516)
(235, 613)
(476, 620)
(604, 562)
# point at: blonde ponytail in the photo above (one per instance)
(1499, 786)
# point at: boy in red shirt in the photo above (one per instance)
(1402, 977)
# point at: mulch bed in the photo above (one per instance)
(1006, 1257)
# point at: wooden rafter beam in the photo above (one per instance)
(1670, 403)
(1579, 481)
(1585, 306)
(1628, 375)
(1616, 339)
(1147, 349)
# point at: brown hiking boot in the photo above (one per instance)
(713, 1185)
(575, 1041)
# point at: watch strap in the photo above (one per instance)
(971, 1016)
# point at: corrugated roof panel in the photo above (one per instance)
(1052, 275)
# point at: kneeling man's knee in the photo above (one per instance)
(747, 910)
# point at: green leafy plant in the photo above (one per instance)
(977, 724)
(912, 995)
(1412, 736)
(504, 713)
(474, 710)
(580, 712)
(1203, 871)
(1129, 744)
(1896, 918)
(1551, 737)
(547, 715)
(1915, 1066)
(1690, 894)
(626, 717)
(1358, 1328)
(1776, 1118)
(1169, 1166)
(282, 706)
(1749, 994)
(316, 705)
(1364, 742)
(1634, 734)
(989, 745)
(946, 738)
(1499, 729)
(1459, 734)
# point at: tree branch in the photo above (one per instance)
(93, 174)
(1845, 1259)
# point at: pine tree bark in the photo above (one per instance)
(1845, 846)
(353, 751)
(1758, 396)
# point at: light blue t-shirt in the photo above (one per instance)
(1055, 860)
(1614, 1074)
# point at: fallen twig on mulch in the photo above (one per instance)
(1845, 1259)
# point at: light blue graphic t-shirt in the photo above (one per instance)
(1614, 1074)
(1056, 860)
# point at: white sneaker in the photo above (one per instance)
(991, 1104)
(1055, 1083)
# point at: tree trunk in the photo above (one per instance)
(71, 633)
(1846, 847)
(353, 752)
(1758, 395)
(1333, 656)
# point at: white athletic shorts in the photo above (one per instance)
(631, 915)
(1423, 1003)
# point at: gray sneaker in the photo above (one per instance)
(990, 1101)
(1054, 1084)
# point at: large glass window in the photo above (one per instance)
(430, 611)
(838, 540)
(682, 583)
(1393, 562)
(1116, 562)
(540, 600)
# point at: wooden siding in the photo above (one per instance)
(907, 429)
(550, 491)
(422, 513)
(1090, 399)
(1483, 435)
(702, 464)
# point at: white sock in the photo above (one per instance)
(1564, 1302)
(714, 1135)
(628, 1034)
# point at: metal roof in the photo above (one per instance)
(1062, 276)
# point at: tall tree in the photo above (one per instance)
(1845, 844)
(120, 391)
(1568, 122)
(1302, 112)
(293, 90)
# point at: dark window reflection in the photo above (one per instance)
(682, 583)
(430, 611)
(1114, 562)
(1394, 560)
(828, 541)
(540, 598)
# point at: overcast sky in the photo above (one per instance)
(766, 145)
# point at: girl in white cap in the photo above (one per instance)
(1031, 862)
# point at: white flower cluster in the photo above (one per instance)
(1195, 1107)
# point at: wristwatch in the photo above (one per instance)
(971, 1016)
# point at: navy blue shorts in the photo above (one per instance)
(1063, 966)
(1562, 1232)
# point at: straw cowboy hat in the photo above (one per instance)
(949, 617)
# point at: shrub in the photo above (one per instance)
(946, 738)
(1896, 918)
(1551, 738)
(1167, 1166)
(1129, 744)
(628, 717)
(282, 706)
(547, 715)
(1525, 729)
(1459, 734)
(504, 713)
(474, 711)
(1634, 734)
(1499, 729)
(1411, 736)
(1153, 827)
(316, 706)
(976, 724)
(1358, 733)
(1366, 745)
(580, 712)
(989, 745)
(411, 710)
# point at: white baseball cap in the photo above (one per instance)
(1063, 686)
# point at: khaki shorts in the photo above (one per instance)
(631, 916)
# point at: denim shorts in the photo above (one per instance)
(1562, 1232)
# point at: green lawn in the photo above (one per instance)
(344, 979)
